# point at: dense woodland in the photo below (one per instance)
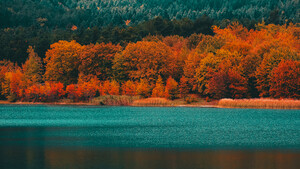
(79, 49)
(89, 13)
(233, 62)
(40, 23)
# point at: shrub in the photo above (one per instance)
(190, 99)
(111, 100)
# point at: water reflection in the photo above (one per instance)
(54, 158)
(36, 148)
(41, 137)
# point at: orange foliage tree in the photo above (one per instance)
(180, 51)
(33, 93)
(110, 88)
(226, 83)
(235, 36)
(159, 88)
(129, 88)
(89, 89)
(13, 86)
(71, 91)
(144, 60)
(52, 91)
(184, 87)
(48, 92)
(62, 61)
(285, 80)
(143, 88)
(270, 61)
(171, 90)
(97, 60)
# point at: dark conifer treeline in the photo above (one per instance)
(90, 13)
(14, 41)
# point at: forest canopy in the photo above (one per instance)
(79, 49)
(233, 63)
(40, 23)
(89, 13)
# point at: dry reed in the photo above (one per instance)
(156, 102)
(260, 103)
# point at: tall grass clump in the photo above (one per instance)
(112, 100)
(153, 102)
(260, 103)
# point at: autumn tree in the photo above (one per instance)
(32, 68)
(159, 88)
(98, 60)
(180, 52)
(13, 86)
(105, 88)
(143, 88)
(110, 88)
(191, 64)
(184, 87)
(171, 90)
(62, 61)
(285, 80)
(52, 91)
(235, 36)
(205, 56)
(270, 61)
(16, 84)
(210, 44)
(5, 67)
(227, 83)
(33, 93)
(144, 60)
(129, 88)
(247, 67)
(71, 92)
(209, 63)
(88, 87)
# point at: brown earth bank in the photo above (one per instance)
(162, 102)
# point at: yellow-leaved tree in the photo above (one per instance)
(62, 61)
(32, 68)
(143, 60)
(159, 88)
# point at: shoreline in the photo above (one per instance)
(91, 104)
(214, 105)
(48, 103)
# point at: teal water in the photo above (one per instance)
(144, 137)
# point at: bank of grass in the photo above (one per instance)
(260, 103)
(110, 100)
(163, 102)
(153, 102)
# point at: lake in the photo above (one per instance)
(88, 137)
